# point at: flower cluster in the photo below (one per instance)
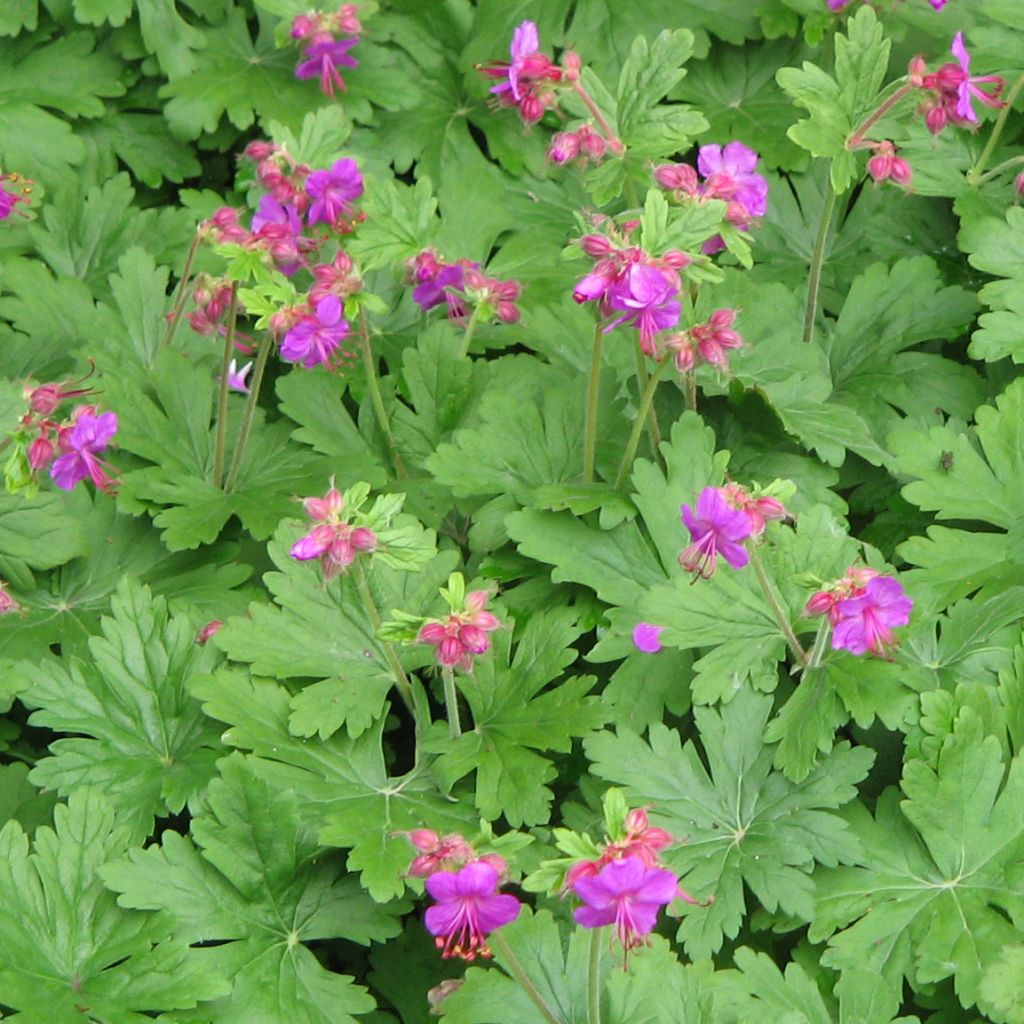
(730, 175)
(326, 40)
(69, 448)
(463, 634)
(885, 165)
(584, 144)
(952, 88)
(528, 80)
(10, 197)
(461, 286)
(863, 608)
(316, 334)
(465, 886)
(334, 540)
(709, 342)
(632, 286)
(716, 527)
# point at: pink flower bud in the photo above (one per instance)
(820, 603)
(363, 539)
(677, 259)
(302, 25)
(432, 633)
(1018, 184)
(900, 171)
(424, 839)
(637, 820)
(259, 150)
(449, 651)
(40, 454)
(582, 869)
(531, 110)
(498, 863)
(591, 144)
(677, 177)
(45, 398)
(211, 629)
(474, 639)
(7, 603)
(565, 146)
(935, 118)
(916, 70)
(597, 246)
(571, 66)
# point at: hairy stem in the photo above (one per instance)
(646, 400)
(222, 393)
(402, 684)
(594, 977)
(856, 138)
(653, 430)
(467, 336)
(690, 382)
(773, 602)
(451, 702)
(818, 262)
(511, 961)
(975, 174)
(614, 142)
(820, 644)
(1014, 161)
(250, 410)
(593, 394)
(376, 398)
(180, 295)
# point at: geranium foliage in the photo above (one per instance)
(512, 511)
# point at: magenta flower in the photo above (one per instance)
(81, 443)
(716, 528)
(315, 338)
(938, 4)
(647, 637)
(626, 894)
(866, 621)
(277, 228)
(967, 86)
(469, 907)
(522, 81)
(730, 174)
(646, 299)
(333, 191)
(323, 60)
(8, 200)
(525, 43)
(446, 285)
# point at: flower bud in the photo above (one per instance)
(900, 171)
(1018, 184)
(677, 177)
(211, 629)
(677, 259)
(916, 70)
(498, 863)
(571, 66)
(44, 399)
(935, 119)
(40, 454)
(596, 246)
(425, 840)
(7, 603)
(565, 146)
(637, 820)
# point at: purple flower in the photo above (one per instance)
(435, 290)
(469, 907)
(323, 60)
(237, 377)
(966, 87)
(730, 174)
(865, 622)
(646, 299)
(332, 191)
(8, 200)
(278, 228)
(314, 339)
(525, 43)
(627, 894)
(80, 443)
(938, 4)
(269, 211)
(647, 637)
(717, 527)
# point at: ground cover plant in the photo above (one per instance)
(512, 511)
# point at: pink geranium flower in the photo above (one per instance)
(646, 299)
(81, 444)
(315, 338)
(468, 908)
(627, 894)
(716, 528)
(333, 192)
(647, 637)
(865, 622)
(322, 61)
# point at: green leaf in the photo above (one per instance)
(745, 824)
(401, 220)
(1002, 988)
(940, 875)
(341, 781)
(318, 143)
(66, 944)
(239, 77)
(512, 719)
(993, 245)
(257, 882)
(325, 633)
(41, 532)
(837, 105)
(141, 736)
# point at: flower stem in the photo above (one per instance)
(594, 977)
(404, 687)
(376, 398)
(222, 394)
(451, 702)
(1014, 161)
(974, 175)
(773, 602)
(690, 380)
(250, 411)
(818, 262)
(467, 337)
(856, 138)
(653, 430)
(820, 644)
(511, 961)
(593, 394)
(638, 424)
(614, 142)
(179, 297)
